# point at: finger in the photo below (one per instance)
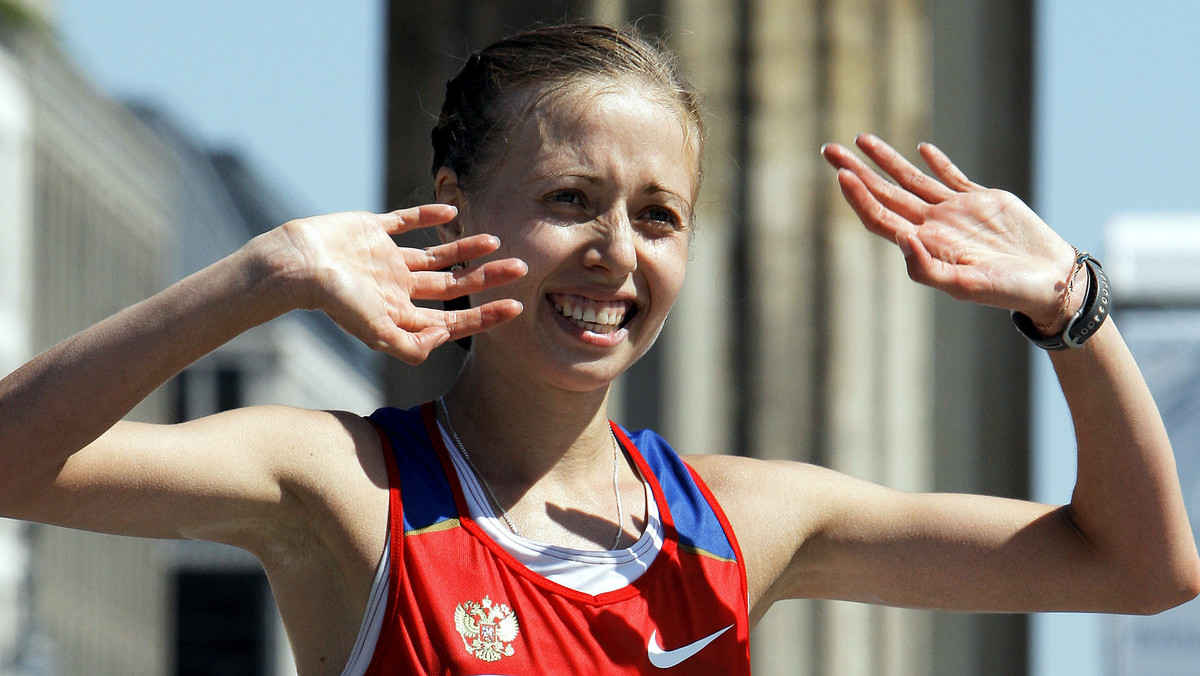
(920, 263)
(903, 202)
(904, 172)
(924, 267)
(424, 216)
(443, 285)
(409, 347)
(945, 170)
(958, 281)
(463, 323)
(874, 216)
(443, 256)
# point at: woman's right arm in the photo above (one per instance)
(65, 460)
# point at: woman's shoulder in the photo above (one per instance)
(752, 489)
(322, 441)
(735, 470)
(299, 437)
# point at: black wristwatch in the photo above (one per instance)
(1093, 312)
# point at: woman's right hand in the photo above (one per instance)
(238, 477)
(347, 265)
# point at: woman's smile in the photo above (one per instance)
(591, 315)
(595, 322)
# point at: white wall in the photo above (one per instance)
(15, 198)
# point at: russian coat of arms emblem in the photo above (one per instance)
(487, 629)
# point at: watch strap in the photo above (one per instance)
(1083, 325)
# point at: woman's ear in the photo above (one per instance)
(447, 191)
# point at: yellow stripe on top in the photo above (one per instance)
(439, 526)
(704, 552)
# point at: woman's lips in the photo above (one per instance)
(602, 317)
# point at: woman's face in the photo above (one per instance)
(594, 191)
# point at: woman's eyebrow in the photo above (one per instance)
(673, 196)
(590, 177)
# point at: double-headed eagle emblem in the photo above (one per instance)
(487, 629)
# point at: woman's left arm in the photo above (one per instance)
(1123, 544)
(988, 247)
(1127, 504)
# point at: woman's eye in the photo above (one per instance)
(566, 197)
(662, 216)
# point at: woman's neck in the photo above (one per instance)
(547, 458)
(520, 432)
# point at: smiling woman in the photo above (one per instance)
(598, 206)
(510, 526)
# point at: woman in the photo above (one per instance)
(509, 527)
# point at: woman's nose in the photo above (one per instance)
(615, 248)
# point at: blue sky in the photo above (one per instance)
(297, 87)
(1118, 98)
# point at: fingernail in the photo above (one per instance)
(903, 243)
(823, 147)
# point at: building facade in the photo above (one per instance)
(102, 205)
(93, 238)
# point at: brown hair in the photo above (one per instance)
(480, 99)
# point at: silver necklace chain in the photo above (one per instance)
(496, 501)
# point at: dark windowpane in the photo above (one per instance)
(229, 389)
(221, 624)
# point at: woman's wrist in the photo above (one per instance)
(1083, 321)
(1060, 293)
(276, 270)
(1070, 298)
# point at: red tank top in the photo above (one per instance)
(458, 603)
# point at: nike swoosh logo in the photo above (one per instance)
(665, 659)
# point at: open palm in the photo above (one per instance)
(352, 270)
(974, 243)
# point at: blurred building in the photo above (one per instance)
(89, 228)
(798, 334)
(102, 205)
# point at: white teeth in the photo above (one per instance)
(603, 320)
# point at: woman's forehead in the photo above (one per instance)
(599, 130)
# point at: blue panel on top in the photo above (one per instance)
(695, 520)
(424, 489)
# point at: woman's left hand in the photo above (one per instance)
(974, 243)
